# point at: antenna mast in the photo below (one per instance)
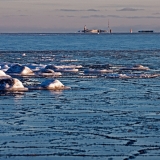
(108, 25)
(109, 30)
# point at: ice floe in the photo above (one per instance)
(64, 68)
(11, 84)
(40, 70)
(20, 70)
(136, 67)
(36, 67)
(94, 71)
(50, 84)
(4, 66)
(8, 83)
(49, 72)
(3, 75)
(116, 75)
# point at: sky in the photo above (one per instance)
(45, 16)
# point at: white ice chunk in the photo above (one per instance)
(5, 66)
(124, 76)
(94, 71)
(67, 70)
(69, 66)
(11, 84)
(52, 84)
(136, 67)
(63, 68)
(36, 67)
(140, 67)
(19, 69)
(3, 75)
(49, 72)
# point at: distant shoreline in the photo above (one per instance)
(139, 32)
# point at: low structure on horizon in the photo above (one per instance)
(146, 31)
(85, 30)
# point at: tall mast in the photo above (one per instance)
(108, 25)
(109, 30)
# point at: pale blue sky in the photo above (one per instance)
(72, 15)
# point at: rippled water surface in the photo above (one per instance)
(100, 117)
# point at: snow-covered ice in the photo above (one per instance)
(64, 68)
(53, 85)
(96, 71)
(19, 69)
(49, 72)
(136, 67)
(12, 84)
(3, 75)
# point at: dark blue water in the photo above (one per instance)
(100, 117)
(20, 42)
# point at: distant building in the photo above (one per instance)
(93, 30)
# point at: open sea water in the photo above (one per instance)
(102, 116)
